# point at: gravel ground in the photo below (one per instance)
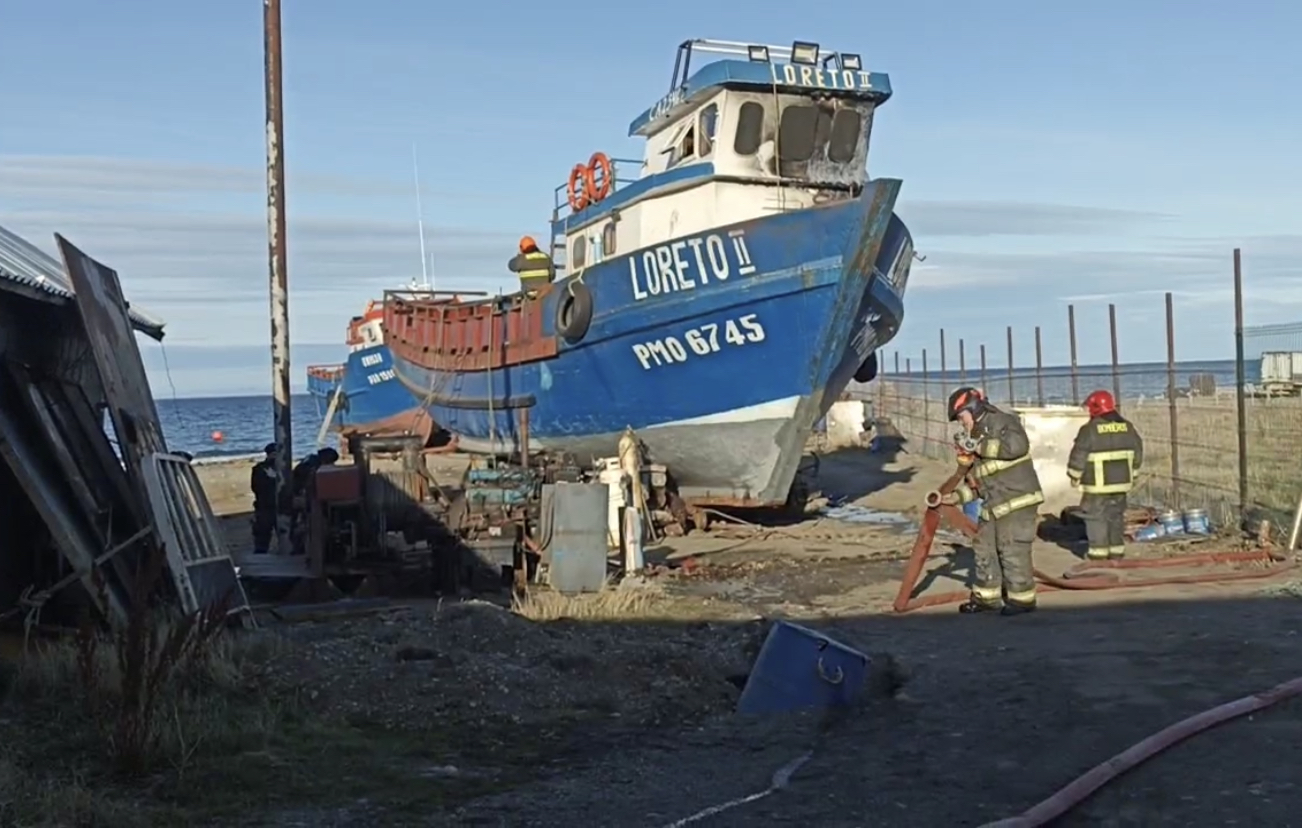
(997, 713)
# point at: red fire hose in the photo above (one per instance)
(1080, 789)
(1083, 576)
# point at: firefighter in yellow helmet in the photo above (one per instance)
(534, 267)
(1010, 491)
(1102, 464)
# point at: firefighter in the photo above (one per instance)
(1005, 479)
(534, 267)
(262, 482)
(1102, 464)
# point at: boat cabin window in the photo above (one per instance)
(750, 128)
(682, 143)
(708, 122)
(608, 238)
(579, 252)
(798, 133)
(844, 140)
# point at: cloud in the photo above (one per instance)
(72, 175)
(207, 273)
(930, 218)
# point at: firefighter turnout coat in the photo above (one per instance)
(1003, 474)
(1107, 453)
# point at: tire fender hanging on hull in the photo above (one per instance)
(867, 372)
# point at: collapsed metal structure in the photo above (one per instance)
(80, 511)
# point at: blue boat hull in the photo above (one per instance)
(373, 399)
(720, 354)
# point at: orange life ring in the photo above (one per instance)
(578, 187)
(599, 162)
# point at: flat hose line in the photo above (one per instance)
(1084, 786)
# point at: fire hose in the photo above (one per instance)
(1083, 576)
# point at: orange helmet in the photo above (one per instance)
(1100, 403)
(527, 243)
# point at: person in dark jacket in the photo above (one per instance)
(302, 473)
(1102, 464)
(1005, 480)
(262, 482)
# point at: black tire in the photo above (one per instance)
(574, 312)
(868, 371)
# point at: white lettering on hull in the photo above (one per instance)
(688, 264)
(701, 341)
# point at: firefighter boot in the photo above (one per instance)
(974, 605)
(1017, 608)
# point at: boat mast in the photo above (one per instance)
(420, 225)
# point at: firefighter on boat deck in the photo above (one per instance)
(1102, 464)
(1009, 490)
(534, 267)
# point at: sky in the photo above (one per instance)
(1051, 153)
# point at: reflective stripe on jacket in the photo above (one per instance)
(1004, 475)
(533, 267)
(1107, 453)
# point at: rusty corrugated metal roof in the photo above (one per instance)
(25, 264)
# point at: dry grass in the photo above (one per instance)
(1206, 442)
(611, 603)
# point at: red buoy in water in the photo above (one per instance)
(217, 436)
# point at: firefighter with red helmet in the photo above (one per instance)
(1006, 481)
(1102, 464)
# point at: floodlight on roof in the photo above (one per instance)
(759, 54)
(851, 62)
(804, 53)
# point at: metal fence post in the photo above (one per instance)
(962, 365)
(1240, 395)
(1071, 337)
(1116, 360)
(1170, 394)
(985, 385)
(1039, 370)
(926, 405)
(1012, 396)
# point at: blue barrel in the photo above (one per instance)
(1172, 522)
(973, 510)
(1196, 522)
(1152, 531)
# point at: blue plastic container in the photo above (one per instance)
(973, 510)
(1152, 531)
(800, 669)
(1196, 522)
(1172, 522)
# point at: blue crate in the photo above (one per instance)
(800, 669)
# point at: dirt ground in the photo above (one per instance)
(620, 714)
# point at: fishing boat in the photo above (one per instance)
(362, 395)
(716, 302)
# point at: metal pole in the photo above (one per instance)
(962, 364)
(278, 257)
(1071, 336)
(1012, 398)
(1039, 370)
(1170, 395)
(1116, 360)
(942, 352)
(984, 385)
(1241, 401)
(926, 404)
